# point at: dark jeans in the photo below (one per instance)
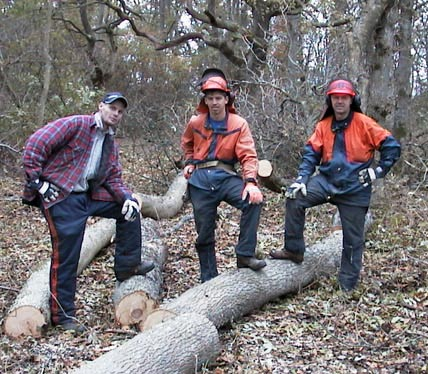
(352, 219)
(67, 221)
(205, 203)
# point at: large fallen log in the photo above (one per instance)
(181, 345)
(236, 293)
(166, 206)
(138, 296)
(30, 311)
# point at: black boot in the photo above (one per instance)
(250, 262)
(208, 264)
(142, 269)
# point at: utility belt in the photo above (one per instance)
(216, 164)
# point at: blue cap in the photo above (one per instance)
(113, 96)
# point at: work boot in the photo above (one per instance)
(72, 326)
(250, 262)
(142, 269)
(281, 254)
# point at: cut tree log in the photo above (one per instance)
(30, 311)
(180, 346)
(236, 293)
(268, 178)
(166, 206)
(138, 296)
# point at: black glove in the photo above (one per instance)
(130, 209)
(48, 190)
(367, 176)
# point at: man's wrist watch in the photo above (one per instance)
(250, 180)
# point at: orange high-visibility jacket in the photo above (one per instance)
(235, 144)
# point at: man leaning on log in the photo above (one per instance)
(73, 172)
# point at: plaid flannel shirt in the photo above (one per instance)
(59, 152)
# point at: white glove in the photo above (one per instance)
(130, 209)
(292, 191)
(367, 176)
(253, 193)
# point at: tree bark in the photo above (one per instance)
(239, 292)
(166, 206)
(137, 297)
(180, 345)
(268, 178)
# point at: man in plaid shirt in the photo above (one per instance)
(72, 172)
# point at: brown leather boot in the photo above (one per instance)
(281, 254)
(250, 262)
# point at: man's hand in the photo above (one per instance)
(131, 209)
(293, 190)
(188, 170)
(253, 193)
(367, 176)
(48, 190)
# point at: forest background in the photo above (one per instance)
(59, 57)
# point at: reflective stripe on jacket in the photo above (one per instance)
(200, 143)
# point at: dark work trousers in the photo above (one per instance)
(352, 219)
(205, 203)
(66, 221)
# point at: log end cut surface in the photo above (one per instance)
(23, 321)
(158, 316)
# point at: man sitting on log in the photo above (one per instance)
(73, 172)
(342, 147)
(213, 142)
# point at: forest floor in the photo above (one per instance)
(382, 327)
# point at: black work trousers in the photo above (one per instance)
(352, 220)
(67, 222)
(205, 203)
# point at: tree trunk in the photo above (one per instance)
(268, 178)
(239, 292)
(180, 345)
(166, 206)
(138, 296)
(47, 68)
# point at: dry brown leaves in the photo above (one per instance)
(381, 327)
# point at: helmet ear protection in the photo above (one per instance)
(343, 86)
(213, 78)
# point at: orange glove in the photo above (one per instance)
(188, 170)
(253, 193)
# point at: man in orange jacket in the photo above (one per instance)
(213, 142)
(342, 147)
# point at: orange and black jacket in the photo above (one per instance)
(342, 153)
(231, 144)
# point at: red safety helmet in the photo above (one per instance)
(341, 86)
(215, 83)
